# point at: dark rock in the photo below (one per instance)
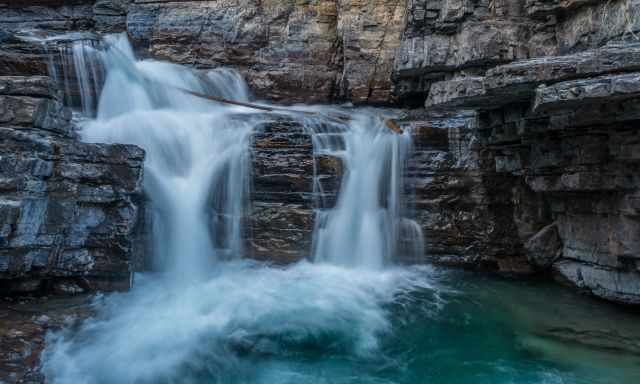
(544, 247)
(68, 210)
(288, 183)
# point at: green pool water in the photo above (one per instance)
(487, 331)
(314, 324)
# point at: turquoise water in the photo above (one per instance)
(487, 331)
(320, 324)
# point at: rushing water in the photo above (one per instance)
(206, 315)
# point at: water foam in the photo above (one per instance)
(215, 329)
(206, 314)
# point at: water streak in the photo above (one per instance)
(196, 170)
(364, 227)
(206, 311)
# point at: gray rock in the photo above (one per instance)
(68, 210)
(607, 283)
(544, 248)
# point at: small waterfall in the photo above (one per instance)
(197, 153)
(75, 63)
(182, 135)
(364, 227)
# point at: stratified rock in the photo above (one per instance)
(68, 210)
(518, 81)
(286, 50)
(570, 95)
(462, 206)
(285, 193)
(607, 283)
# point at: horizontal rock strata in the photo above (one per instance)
(526, 156)
(289, 183)
(565, 126)
(68, 210)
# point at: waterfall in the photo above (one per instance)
(196, 169)
(199, 149)
(75, 64)
(363, 228)
(211, 316)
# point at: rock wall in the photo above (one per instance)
(68, 210)
(562, 129)
(289, 182)
(523, 113)
(292, 51)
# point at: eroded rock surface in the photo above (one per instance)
(288, 183)
(563, 126)
(68, 210)
(531, 108)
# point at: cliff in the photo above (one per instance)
(68, 210)
(523, 114)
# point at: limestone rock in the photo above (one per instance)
(607, 283)
(544, 248)
(68, 210)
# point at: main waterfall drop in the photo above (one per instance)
(196, 165)
(210, 312)
(197, 157)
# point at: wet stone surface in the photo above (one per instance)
(24, 322)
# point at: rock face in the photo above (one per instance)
(285, 193)
(68, 210)
(525, 157)
(563, 128)
(309, 51)
(459, 201)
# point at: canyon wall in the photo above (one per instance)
(523, 114)
(68, 210)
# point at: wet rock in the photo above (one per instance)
(68, 210)
(23, 327)
(463, 207)
(288, 183)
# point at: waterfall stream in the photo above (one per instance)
(346, 314)
(206, 307)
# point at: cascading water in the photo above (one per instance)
(196, 165)
(363, 229)
(74, 64)
(210, 314)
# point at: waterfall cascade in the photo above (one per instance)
(364, 228)
(347, 315)
(196, 168)
(196, 321)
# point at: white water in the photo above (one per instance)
(196, 155)
(362, 230)
(204, 311)
(158, 333)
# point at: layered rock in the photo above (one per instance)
(564, 126)
(463, 206)
(289, 183)
(525, 161)
(464, 38)
(68, 210)
(313, 51)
